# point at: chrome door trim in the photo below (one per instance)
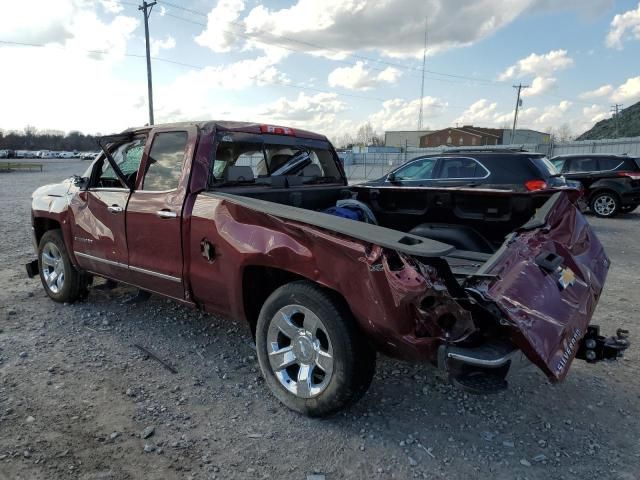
(129, 267)
(101, 260)
(155, 274)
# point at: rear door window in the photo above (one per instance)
(583, 165)
(165, 161)
(455, 168)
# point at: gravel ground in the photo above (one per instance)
(79, 400)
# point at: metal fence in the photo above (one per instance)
(368, 166)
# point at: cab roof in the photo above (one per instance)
(226, 125)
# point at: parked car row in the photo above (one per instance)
(46, 154)
(610, 183)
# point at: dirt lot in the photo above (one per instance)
(76, 397)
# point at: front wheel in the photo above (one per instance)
(605, 204)
(311, 354)
(60, 279)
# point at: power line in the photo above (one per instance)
(321, 47)
(200, 67)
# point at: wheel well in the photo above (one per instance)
(41, 225)
(258, 283)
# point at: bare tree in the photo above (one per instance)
(563, 133)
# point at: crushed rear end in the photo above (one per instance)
(539, 292)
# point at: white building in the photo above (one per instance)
(404, 138)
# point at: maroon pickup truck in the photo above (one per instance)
(258, 222)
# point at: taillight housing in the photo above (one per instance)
(533, 185)
(631, 175)
(276, 130)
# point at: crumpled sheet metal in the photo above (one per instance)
(546, 320)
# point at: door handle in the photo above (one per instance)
(166, 214)
(115, 208)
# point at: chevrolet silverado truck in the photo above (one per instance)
(257, 222)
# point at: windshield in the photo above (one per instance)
(245, 159)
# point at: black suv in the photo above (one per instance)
(497, 169)
(611, 182)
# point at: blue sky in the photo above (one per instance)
(328, 66)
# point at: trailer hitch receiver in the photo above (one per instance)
(595, 347)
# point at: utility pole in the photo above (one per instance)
(515, 115)
(424, 64)
(615, 109)
(146, 11)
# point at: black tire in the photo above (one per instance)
(605, 204)
(353, 358)
(74, 283)
(628, 208)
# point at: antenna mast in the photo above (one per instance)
(424, 64)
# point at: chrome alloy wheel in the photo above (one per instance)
(52, 267)
(604, 205)
(300, 351)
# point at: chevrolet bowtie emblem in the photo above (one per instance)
(567, 277)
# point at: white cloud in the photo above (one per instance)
(79, 93)
(554, 114)
(624, 26)
(628, 92)
(602, 91)
(539, 118)
(335, 28)
(539, 85)
(594, 114)
(159, 44)
(219, 36)
(359, 77)
(304, 108)
(73, 88)
(480, 112)
(540, 65)
(112, 6)
(399, 114)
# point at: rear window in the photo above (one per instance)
(610, 163)
(545, 166)
(249, 158)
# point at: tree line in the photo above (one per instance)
(32, 139)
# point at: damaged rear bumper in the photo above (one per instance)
(489, 355)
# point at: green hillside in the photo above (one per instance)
(629, 125)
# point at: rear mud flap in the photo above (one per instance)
(32, 269)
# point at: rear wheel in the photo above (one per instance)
(605, 204)
(311, 354)
(60, 279)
